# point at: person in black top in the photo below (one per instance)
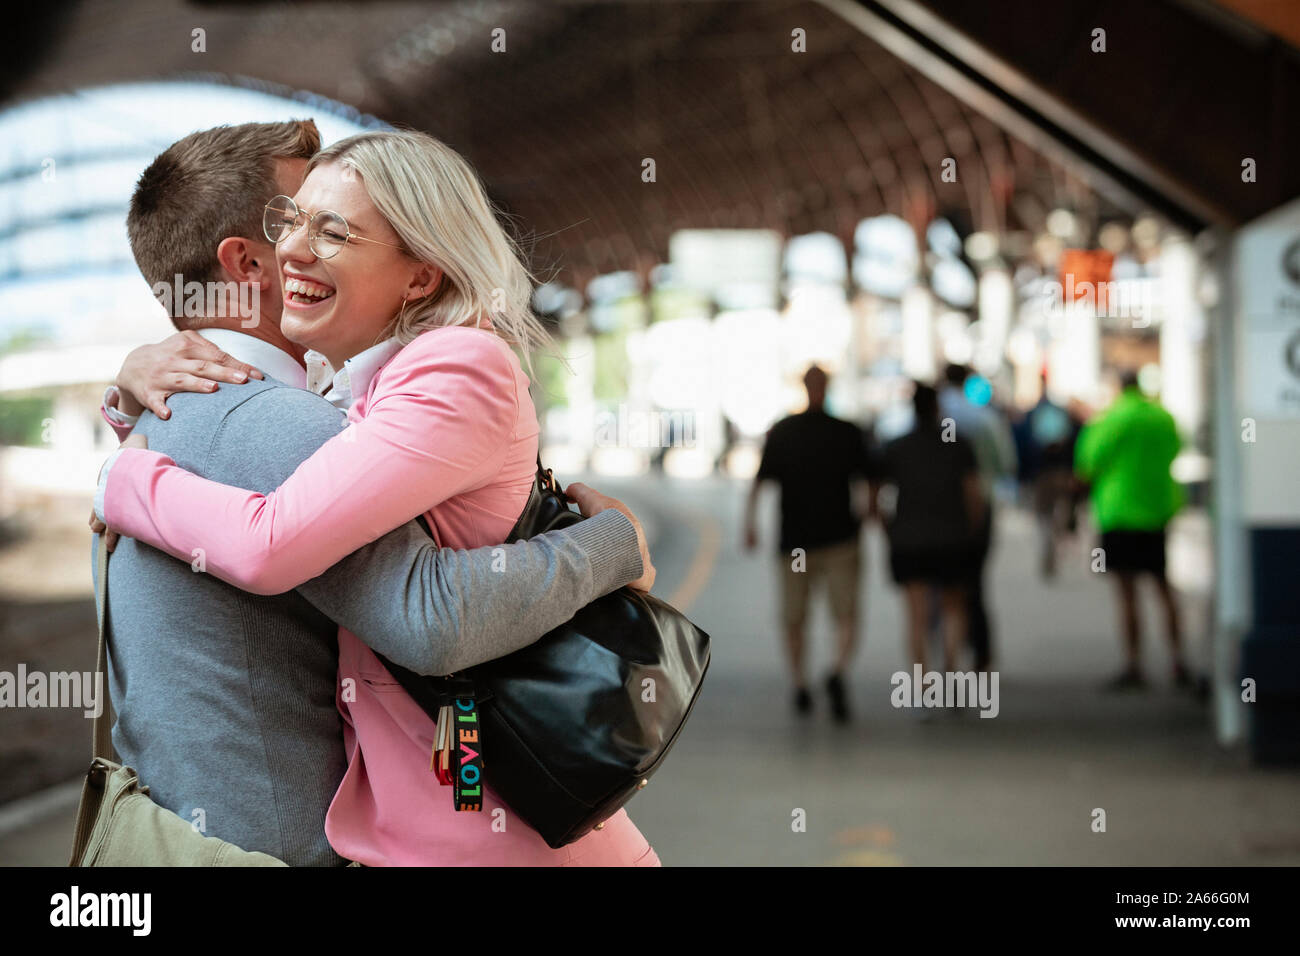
(816, 459)
(1048, 434)
(934, 525)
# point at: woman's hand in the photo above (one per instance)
(97, 526)
(184, 362)
(592, 502)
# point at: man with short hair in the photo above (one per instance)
(1125, 454)
(225, 700)
(816, 459)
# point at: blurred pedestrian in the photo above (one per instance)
(816, 459)
(989, 435)
(1126, 454)
(936, 520)
(1047, 467)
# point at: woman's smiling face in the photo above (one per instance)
(342, 305)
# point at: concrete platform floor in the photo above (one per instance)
(891, 789)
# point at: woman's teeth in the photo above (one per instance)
(302, 291)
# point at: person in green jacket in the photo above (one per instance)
(1125, 455)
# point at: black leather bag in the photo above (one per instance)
(576, 723)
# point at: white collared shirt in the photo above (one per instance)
(272, 361)
(267, 358)
(349, 383)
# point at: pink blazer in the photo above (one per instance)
(447, 429)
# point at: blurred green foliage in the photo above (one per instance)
(22, 419)
(24, 338)
(611, 366)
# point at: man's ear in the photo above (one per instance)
(245, 260)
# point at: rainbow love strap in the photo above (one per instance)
(467, 769)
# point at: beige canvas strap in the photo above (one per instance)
(102, 762)
(103, 733)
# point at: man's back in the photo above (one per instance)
(1126, 455)
(987, 432)
(206, 676)
(1052, 432)
(814, 457)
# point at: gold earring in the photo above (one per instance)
(402, 313)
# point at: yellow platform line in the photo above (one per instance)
(701, 569)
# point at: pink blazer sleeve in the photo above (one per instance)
(440, 421)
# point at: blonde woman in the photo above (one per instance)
(397, 274)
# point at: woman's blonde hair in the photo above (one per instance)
(439, 209)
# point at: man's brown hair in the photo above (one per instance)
(204, 188)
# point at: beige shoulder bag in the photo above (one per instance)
(117, 823)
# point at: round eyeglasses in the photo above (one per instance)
(327, 231)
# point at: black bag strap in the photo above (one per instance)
(541, 481)
(431, 692)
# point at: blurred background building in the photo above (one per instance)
(717, 195)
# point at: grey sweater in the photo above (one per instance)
(225, 700)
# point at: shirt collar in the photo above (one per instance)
(344, 387)
(272, 361)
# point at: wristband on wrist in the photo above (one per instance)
(112, 413)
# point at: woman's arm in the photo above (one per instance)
(111, 407)
(441, 419)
